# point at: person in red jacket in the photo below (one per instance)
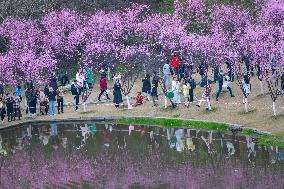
(139, 99)
(103, 88)
(175, 63)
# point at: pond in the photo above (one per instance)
(105, 155)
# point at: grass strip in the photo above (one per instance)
(263, 139)
(175, 123)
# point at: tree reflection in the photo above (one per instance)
(123, 156)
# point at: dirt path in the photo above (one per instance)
(228, 109)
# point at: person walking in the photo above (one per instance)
(117, 96)
(192, 85)
(154, 95)
(51, 101)
(181, 70)
(10, 107)
(103, 88)
(53, 83)
(80, 78)
(60, 96)
(206, 96)
(224, 83)
(32, 100)
(43, 103)
(89, 77)
(17, 107)
(154, 90)
(46, 90)
(1, 89)
(2, 110)
(185, 89)
(146, 86)
(246, 87)
(19, 91)
(85, 91)
(75, 93)
(176, 90)
(167, 76)
(175, 63)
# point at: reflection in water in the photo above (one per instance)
(121, 156)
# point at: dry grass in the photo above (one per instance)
(228, 109)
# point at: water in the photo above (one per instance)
(88, 155)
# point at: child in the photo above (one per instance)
(10, 107)
(139, 99)
(60, 95)
(206, 96)
(16, 106)
(2, 109)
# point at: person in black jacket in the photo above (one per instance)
(53, 83)
(10, 105)
(75, 93)
(1, 89)
(46, 90)
(117, 97)
(32, 101)
(181, 70)
(192, 85)
(220, 85)
(146, 87)
(2, 109)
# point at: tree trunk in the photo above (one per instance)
(261, 87)
(129, 106)
(108, 74)
(246, 104)
(274, 109)
(166, 101)
(144, 69)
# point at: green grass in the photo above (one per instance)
(271, 140)
(263, 139)
(175, 123)
(248, 131)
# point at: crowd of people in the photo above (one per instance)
(177, 81)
